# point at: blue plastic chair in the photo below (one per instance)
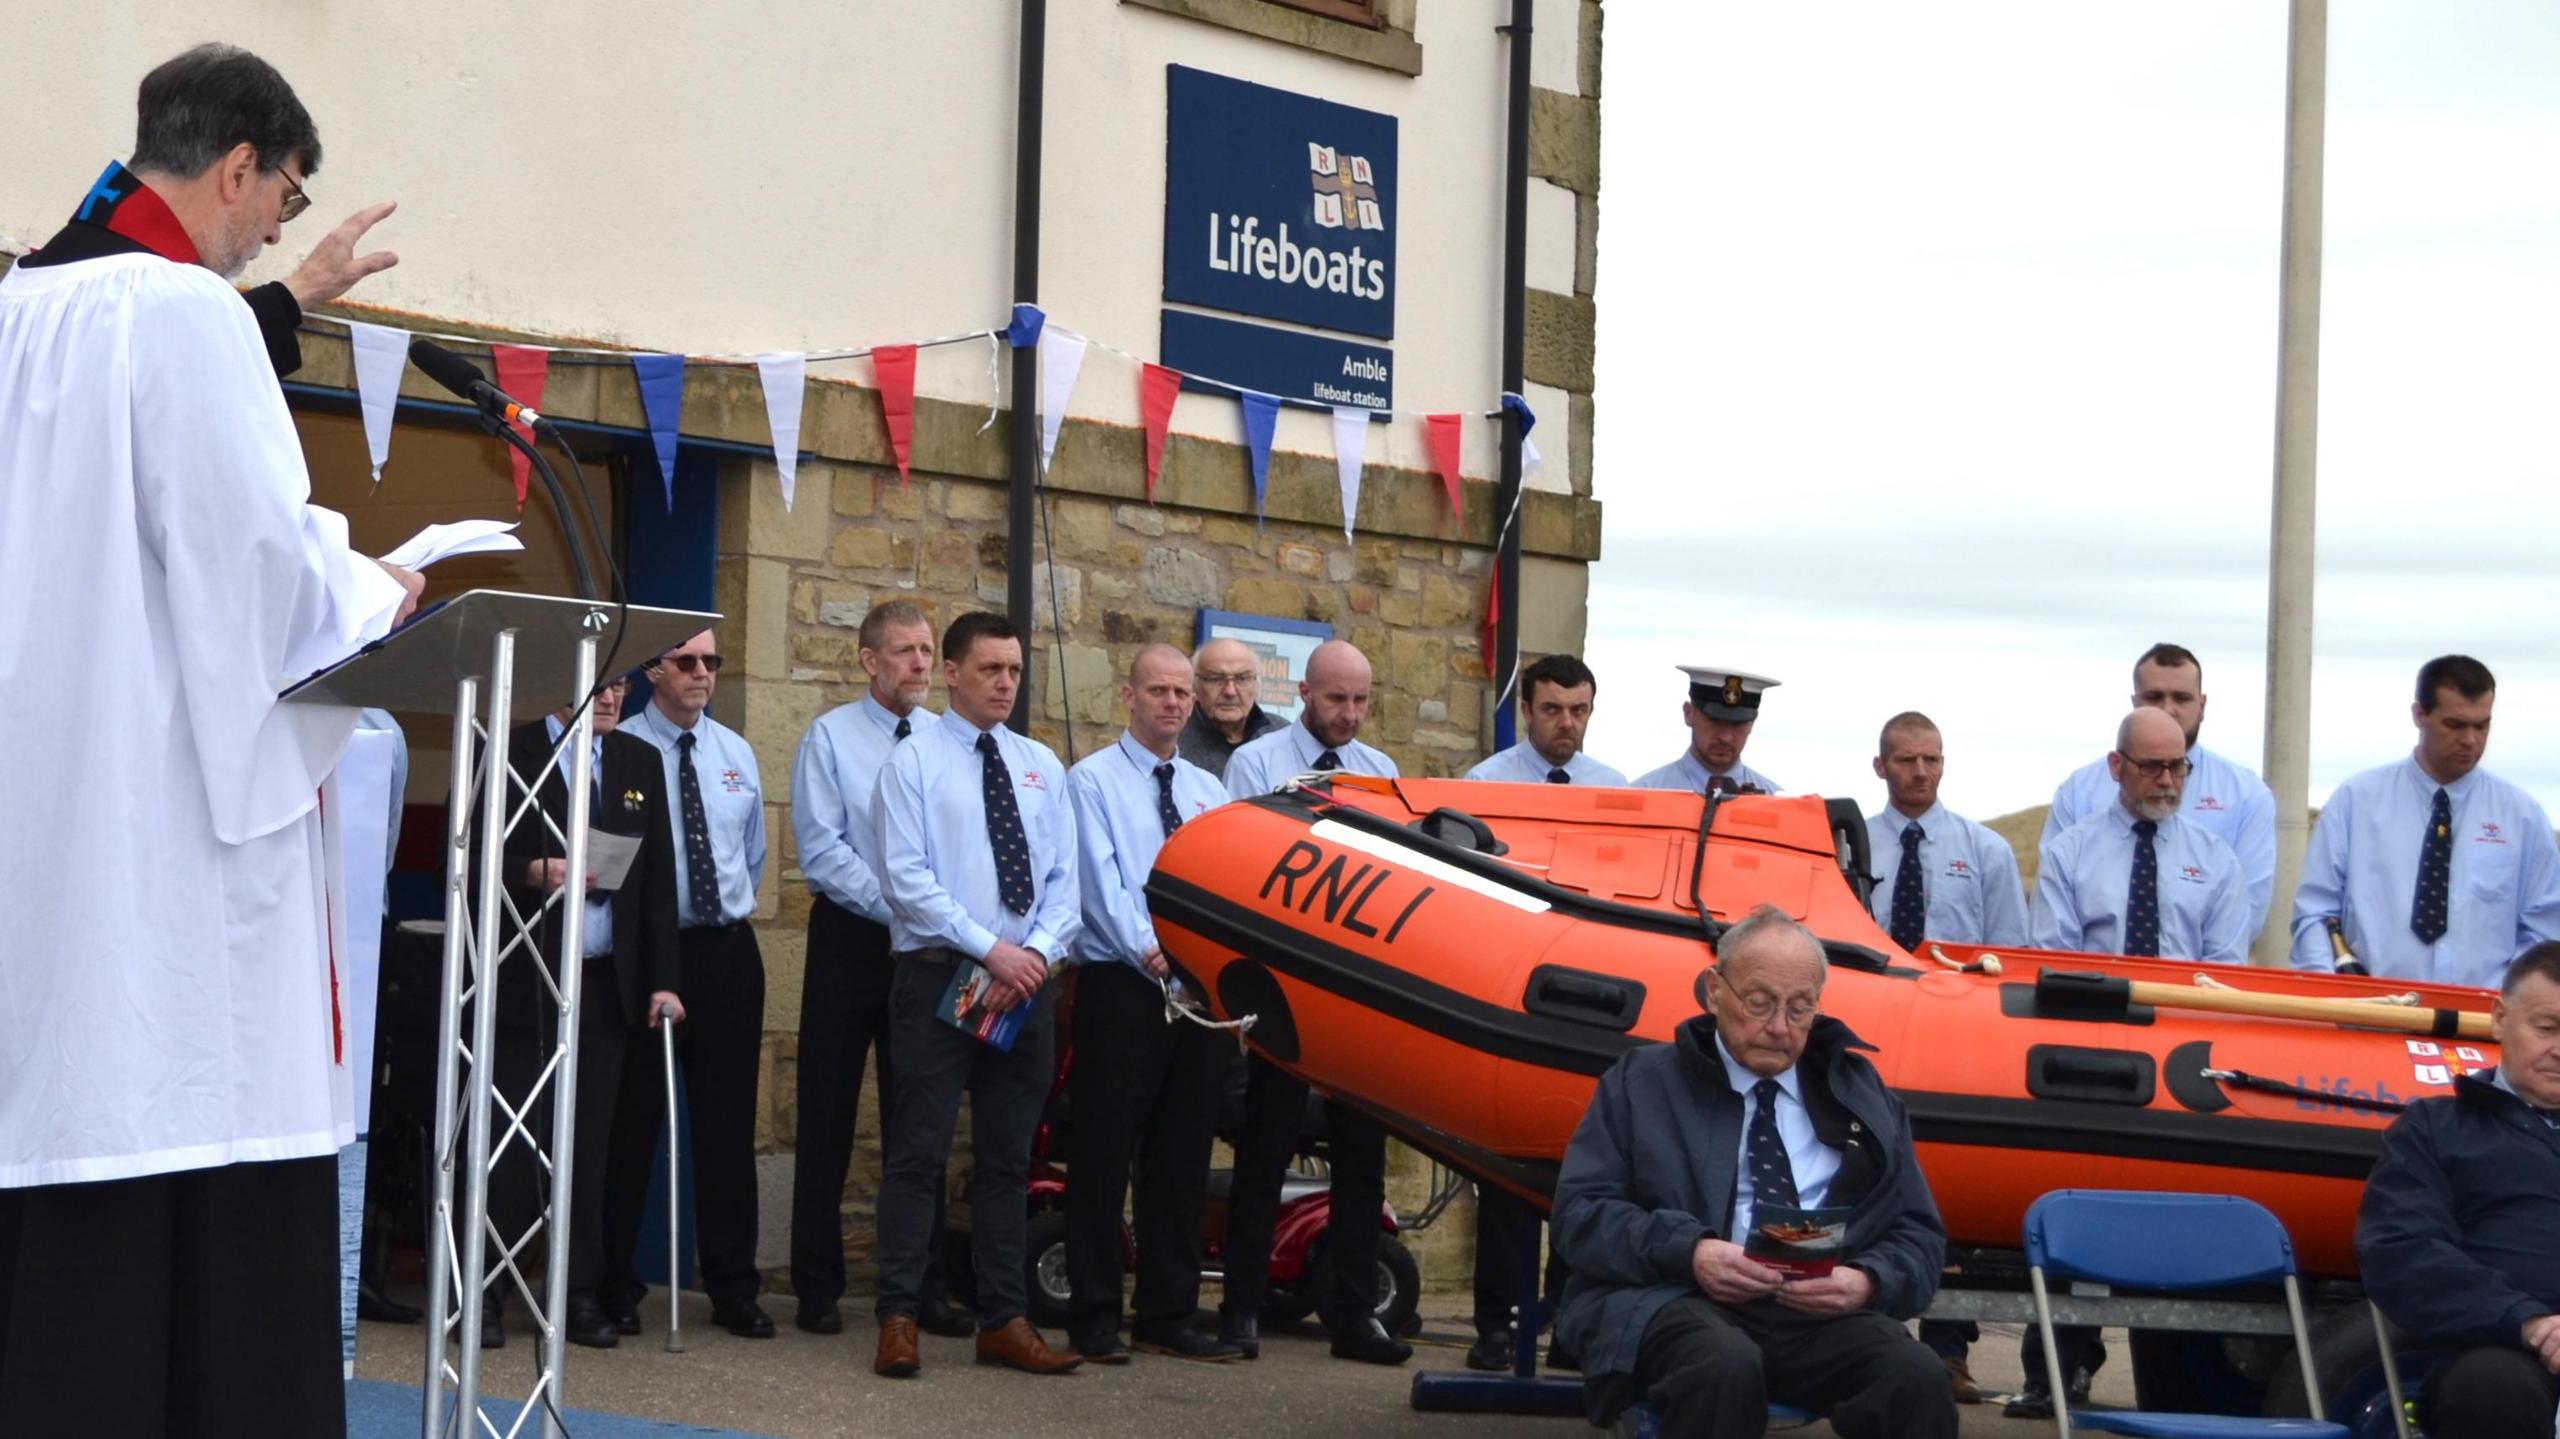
(1643, 1421)
(2167, 1243)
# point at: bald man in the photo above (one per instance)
(1226, 678)
(1143, 1090)
(1334, 703)
(2139, 877)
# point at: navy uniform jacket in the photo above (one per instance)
(1650, 1172)
(2456, 1236)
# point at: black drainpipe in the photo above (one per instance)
(1019, 517)
(1503, 665)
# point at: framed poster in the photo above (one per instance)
(1280, 649)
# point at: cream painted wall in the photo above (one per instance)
(724, 177)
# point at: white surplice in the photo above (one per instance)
(168, 992)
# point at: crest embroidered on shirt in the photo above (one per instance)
(734, 781)
(2191, 874)
(2209, 803)
(1959, 869)
(1031, 780)
(2489, 833)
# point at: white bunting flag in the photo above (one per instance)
(783, 376)
(381, 354)
(1350, 448)
(1530, 459)
(1061, 360)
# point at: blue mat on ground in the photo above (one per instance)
(376, 1410)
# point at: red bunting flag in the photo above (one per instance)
(522, 369)
(1158, 388)
(1445, 433)
(1492, 619)
(894, 367)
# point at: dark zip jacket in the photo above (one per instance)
(2459, 1235)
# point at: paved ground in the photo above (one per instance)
(798, 1386)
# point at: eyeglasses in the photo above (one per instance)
(1240, 679)
(294, 203)
(693, 664)
(1763, 1006)
(2155, 768)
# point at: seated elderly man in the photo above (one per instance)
(2459, 1237)
(1763, 1103)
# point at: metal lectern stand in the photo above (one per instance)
(465, 653)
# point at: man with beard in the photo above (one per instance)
(2138, 877)
(844, 996)
(1229, 679)
(2224, 798)
(2431, 867)
(1336, 698)
(1722, 707)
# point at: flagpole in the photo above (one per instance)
(1021, 498)
(1503, 665)
(2291, 535)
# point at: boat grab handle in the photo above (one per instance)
(1609, 1000)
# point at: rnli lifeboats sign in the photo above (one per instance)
(1282, 206)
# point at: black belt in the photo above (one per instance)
(937, 956)
(714, 928)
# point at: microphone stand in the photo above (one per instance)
(559, 500)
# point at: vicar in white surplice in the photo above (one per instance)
(173, 1061)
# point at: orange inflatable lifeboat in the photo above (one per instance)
(1465, 959)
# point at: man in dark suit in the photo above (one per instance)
(629, 942)
(1685, 1149)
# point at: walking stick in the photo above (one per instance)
(675, 1255)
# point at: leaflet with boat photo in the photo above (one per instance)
(1800, 1243)
(964, 1007)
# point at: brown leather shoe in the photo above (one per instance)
(1960, 1378)
(1019, 1346)
(897, 1357)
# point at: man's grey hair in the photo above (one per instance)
(196, 106)
(1768, 924)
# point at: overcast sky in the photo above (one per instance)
(1937, 371)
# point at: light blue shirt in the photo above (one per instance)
(1522, 764)
(1274, 757)
(2498, 1077)
(2362, 869)
(1691, 773)
(732, 806)
(1118, 831)
(2086, 873)
(937, 867)
(1814, 1163)
(833, 780)
(1968, 874)
(596, 937)
(2227, 800)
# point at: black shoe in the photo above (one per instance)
(1244, 1331)
(1491, 1352)
(586, 1323)
(820, 1316)
(2035, 1399)
(1184, 1342)
(1369, 1342)
(747, 1320)
(1103, 1348)
(625, 1314)
(493, 1327)
(942, 1317)
(1561, 1357)
(373, 1304)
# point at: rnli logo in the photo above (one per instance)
(1346, 190)
(1959, 869)
(2489, 833)
(1310, 879)
(1031, 780)
(2209, 804)
(734, 781)
(2191, 874)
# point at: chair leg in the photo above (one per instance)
(2390, 1371)
(2056, 1377)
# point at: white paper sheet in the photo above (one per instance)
(609, 859)
(462, 537)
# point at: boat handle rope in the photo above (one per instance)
(1179, 1005)
(2242, 1079)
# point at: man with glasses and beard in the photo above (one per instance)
(2139, 877)
(1229, 677)
(844, 996)
(719, 832)
(2221, 796)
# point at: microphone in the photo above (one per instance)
(464, 379)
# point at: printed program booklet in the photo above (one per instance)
(1801, 1243)
(964, 1007)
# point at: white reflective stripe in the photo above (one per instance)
(1336, 832)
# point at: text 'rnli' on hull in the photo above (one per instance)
(1471, 1000)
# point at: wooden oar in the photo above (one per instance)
(2435, 1023)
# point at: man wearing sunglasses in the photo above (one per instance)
(2139, 877)
(176, 1057)
(719, 833)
